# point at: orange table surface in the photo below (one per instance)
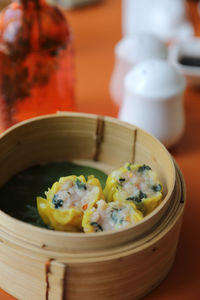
(97, 28)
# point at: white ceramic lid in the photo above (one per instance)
(154, 78)
(141, 46)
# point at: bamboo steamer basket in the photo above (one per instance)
(37, 263)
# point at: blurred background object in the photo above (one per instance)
(185, 55)
(165, 18)
(131, 50)
(153, 100)
(151, 29)
(36, 62)
(69, 4)
(3, 3)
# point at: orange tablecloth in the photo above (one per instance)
(97, 29)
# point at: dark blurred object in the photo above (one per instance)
(36, 67)
(186, 56)
(70, 4)
(190, 61)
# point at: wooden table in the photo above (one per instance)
(97, 29)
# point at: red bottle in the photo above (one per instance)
(36, 62)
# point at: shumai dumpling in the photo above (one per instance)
(105, 216)
(67, 200)
(137, 184)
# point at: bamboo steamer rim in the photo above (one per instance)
(82, 236)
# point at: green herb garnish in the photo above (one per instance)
(115, 214)
(137, 198)
(134, 199)
(80, 184)
(121, 221)
(97, 225)
(128, 166)
(157, 188)
(143, 168)
(142, 195)
(57, 202)
(121, 180)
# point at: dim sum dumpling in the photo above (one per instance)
(105, 216)
(66, 201)
(137, 184)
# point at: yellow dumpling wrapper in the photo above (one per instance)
(137, 184)
(66, 201)
(110, 216)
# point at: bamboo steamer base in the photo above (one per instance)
(128, 270)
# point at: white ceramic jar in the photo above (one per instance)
(130, 51)
(153, 100)
(165, 18)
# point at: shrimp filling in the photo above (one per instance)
(74, 195)
(110, 216)
(139, 183)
